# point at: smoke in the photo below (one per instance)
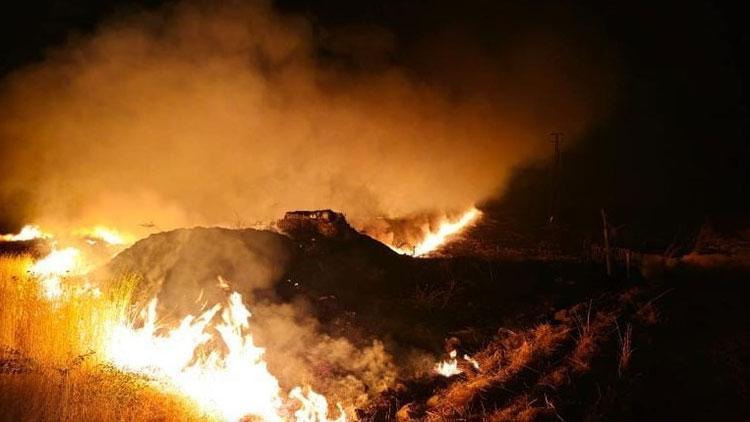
(300, 353)
(191, 270)
(180, 267)
(229, 114)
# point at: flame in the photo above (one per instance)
(92, 234)
(104, 234)
(211, 359)
(66, 262)
(437, 238)
(449, 368)
(233, 384)
(314, 406)
(51, 269)
(28, 232)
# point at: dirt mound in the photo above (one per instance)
(348, 279)
(181, 268)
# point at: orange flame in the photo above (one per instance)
(449, 368)
(28, 232)
(216, 364)
(104, 234)
(231, 385)
(433, 240)
(55, 266)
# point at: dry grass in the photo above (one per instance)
(626, 349)
(51, 362)
(542, 372)
(87, 393)
(503, 362)
(54, 332)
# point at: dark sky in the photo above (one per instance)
(675, 143)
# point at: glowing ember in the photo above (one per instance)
(28, 232)
(233, 384)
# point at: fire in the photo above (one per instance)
(104, 234)
(211, 359)
(69, 261)
(51, 269)
(449, 368)
(437, 238)
(233, 384)
(28, 232)
(91, 234)
(314, 406)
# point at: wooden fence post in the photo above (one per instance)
(605, 229)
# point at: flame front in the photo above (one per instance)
(231, 384)
(434, 239)
(104, 234)
(55, 266)
(211, 359)
(28, 232)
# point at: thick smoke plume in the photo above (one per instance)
(228, 114)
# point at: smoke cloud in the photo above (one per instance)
(229, 114)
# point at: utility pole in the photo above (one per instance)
(557, 139)
(605, 230)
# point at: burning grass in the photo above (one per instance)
(55, 332)
(80, 354)
(52, 364)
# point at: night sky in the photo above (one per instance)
(672, 152)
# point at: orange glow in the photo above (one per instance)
(68, 261)
(104, 234)
(28, 232)
(233, 384)
(433, 240)
(448, 368)
(52, 268)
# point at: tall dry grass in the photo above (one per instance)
(52, 365)
(58, 331)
